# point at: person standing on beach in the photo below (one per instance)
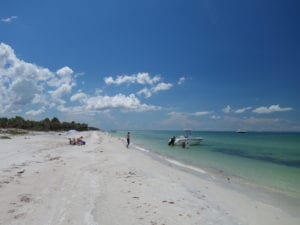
(128, 139)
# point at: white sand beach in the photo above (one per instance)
(46, 181)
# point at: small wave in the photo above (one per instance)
(185, 166)
(141, 148)
(172, 161)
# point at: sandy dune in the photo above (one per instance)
(45, 181)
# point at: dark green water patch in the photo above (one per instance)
(266, 157)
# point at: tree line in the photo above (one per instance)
(44, 125)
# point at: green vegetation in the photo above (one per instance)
(44, 125)
(15, 131)
(5, 137)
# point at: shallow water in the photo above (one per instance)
(261, 159)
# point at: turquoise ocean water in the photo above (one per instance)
(268, 160)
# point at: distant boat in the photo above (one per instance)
(241, 131)
(185, 140)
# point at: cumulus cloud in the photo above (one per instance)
(60, 91)
(22, 91)
(152, 83)
(146, 92)
(181, 80)
(9, 19)
(242, 110)
(80, 96)
(23, 83)
(176, 114)
(227, 109)
(11, 67)
(65, 71)
(215, 117)
(199, 113)
(159, 87)
(35, 112)
(203, 113)
(139, 78)
(118, 101)
(271, 109)
(102, 103)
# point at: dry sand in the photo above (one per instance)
(45, 181)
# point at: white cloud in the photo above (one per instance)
(176, 114)
(9, 19)
(119, 101)
(35, 112)
(65, 71)
(161, 87)
(181, 80)
(271, 109)
(60, 91)
(203, 113)
(98, 91)
(214, 117)
(104, 103)
(146, 92)
(26, 84)
(242, 110)
(22, 91)
(227, 109)
(11, 67)
(200, 113)
(140, 78)
(80, 96)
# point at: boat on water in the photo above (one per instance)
(241, 131)
(185, 140)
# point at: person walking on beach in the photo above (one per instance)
(128, 139)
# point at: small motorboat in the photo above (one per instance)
(185, 140)
(241, 131)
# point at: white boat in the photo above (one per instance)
(186, 140)
(241, 131)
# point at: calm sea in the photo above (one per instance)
(269, 160)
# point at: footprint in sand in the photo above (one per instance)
(171, 202)
(11, 211)
(18, 216)
(20, 172)
(25, 198)
(54, 158)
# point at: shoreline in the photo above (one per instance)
(265, 194)
(43, 180)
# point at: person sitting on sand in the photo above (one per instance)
(72, 141)
(80, 141)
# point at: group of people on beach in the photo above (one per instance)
(79, 141)
(76, 141)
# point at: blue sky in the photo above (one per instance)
(160, 64)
